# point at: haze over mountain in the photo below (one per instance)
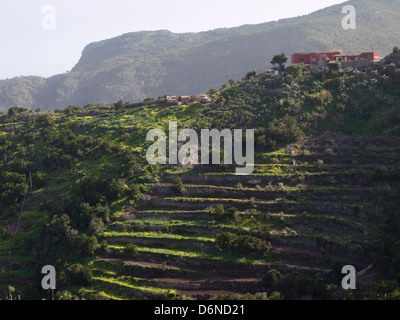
(137, 65)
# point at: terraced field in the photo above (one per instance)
(321, 204)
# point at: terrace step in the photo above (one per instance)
(345, 209)
(339, 195)
(171, 215)
(157, 242)
(181, 229)
(357, 179)
(237, 285)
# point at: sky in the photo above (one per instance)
(47, 37)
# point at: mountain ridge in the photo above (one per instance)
(144, 64)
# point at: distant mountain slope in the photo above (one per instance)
(149, 64)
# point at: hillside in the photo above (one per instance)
(324, 194)
(138, 65)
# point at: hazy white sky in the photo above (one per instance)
(27, 48)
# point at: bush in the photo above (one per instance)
(249, 75)
(44, 119)
(271, 277)
(95, 190)
(12, 187)
(242, 243)
(300, 285)
(285, 129)
(71, 109)
(134, 192)
(39, 179)
(222, 214)
(334, 66)
(86, 245)
(295, 70)
(131, 251)
(13, 111)
(178, 186)
(81, 275)
(96, 225)
(219, 211)
(86, 213)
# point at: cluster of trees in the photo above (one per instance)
(222, 214)
(13, 187)
(242, 243)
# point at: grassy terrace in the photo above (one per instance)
(310, 223)
(135, 286)
(154, 235)
(98, 209)
(194, 253)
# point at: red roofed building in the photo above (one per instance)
(315, 58)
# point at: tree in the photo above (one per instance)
(131, 251)
(14, 111)
(71, 109)
(231, 82)
(279, 59)
(179, 187)
(86, 245)
(250, 75)
(119, 105)
(219, 211)
(295, 70)
(286, 129)
(80, 275)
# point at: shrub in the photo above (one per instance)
(295, 70)
(178, 186)
(222, 214)
(231, 213)
(87, 213)
(249, 75)
(329, 152)
(131, 251)
(219, 211)
(95, 190)
(39, 179)
(96, 225)
(134, 192)
(119, 105)
(13, 111)
(44, 119)
(271, 277)
(86, 245)
(285, 129)
(12, 187)
(71, 109)
(334, 66)
(81, 275)
(239, 186)
(242, 243)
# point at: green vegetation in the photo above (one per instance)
(242, 243)
(279, 59)
(76, 192)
